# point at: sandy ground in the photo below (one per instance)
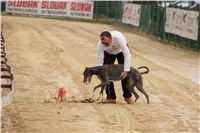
(46, 54)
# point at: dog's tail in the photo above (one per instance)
(145, 72)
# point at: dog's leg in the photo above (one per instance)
(100, 99)
(100, 85)
(101, 92)
(134, 93)
(100, 95)
(130, 86)
(93, 95)
(139, 86)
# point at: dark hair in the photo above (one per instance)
(105, 33)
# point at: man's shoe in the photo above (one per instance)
(107, 101)
(128, 100)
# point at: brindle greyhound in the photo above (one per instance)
(111, 72)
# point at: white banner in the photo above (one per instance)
(182, 22)
(51, 8)
(81, 9)
(131, 14)
(24, 7)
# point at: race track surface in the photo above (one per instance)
(46, 54)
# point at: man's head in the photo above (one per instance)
(106, 38)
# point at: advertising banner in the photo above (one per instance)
(23, 7)
(51, 8)
(131, 14)
(182, 22)
(81, 9)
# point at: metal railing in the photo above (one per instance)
(7, 78)
(152, 21)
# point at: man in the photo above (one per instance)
(112, 45)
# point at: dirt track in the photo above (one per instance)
(46, 54)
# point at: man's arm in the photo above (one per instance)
(100, 54)
(126, 53)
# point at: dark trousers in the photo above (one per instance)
(110, 59)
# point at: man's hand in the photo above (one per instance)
(123, 75)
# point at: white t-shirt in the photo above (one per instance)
(119, 44)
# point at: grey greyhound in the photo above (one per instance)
(111, 72)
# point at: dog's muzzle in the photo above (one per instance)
(87, 80)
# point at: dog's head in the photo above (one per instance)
(87, 76)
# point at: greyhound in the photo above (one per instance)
(111, 72)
